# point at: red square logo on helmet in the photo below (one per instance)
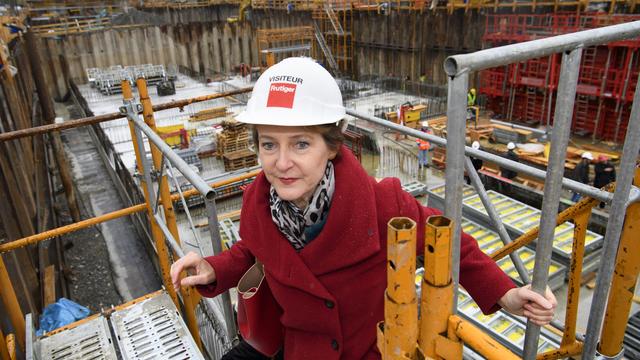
(281, 95)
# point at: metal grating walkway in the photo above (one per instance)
(147, 328)
(90, 340)
(153, 329)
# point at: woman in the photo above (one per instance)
(318, 223)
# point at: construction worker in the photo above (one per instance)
(605, 173)
(423, 148)
(581, 172)
(471, 97)
(317, 222)
(471, 105)
(511, 155)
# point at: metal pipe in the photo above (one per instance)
(176, 160)
(484, 59)
(143, 160)
(624, 281)
(526, 238)
(220, 183)
(167, 205)
(573, 185)
(568, 82)
(437, 289)
(563, 352)
(575, 275)
(516, 126)
(400, 309)
(70, 228)
(112, 116)
(479, 340)
(173, 243)
(156, 232)
(454, 172)
(11, 304)
(495, 219)
(614, 227)
(227, 308)
(6, 247)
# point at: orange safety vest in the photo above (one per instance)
(423, 144)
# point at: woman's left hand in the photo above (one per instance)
(525, 302)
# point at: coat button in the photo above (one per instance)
(329, 304)
(334, 344)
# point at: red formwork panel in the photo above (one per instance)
(492, 82)
(611, 130)
(608, 74)
(585, 113)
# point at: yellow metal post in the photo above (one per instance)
(11, 305)
(436, 300)
(156, 233)
(400, 308)
(573, 288)
(480, 341)
(625, 278)
(562, 353)
(167, 205)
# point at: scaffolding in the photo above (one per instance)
(441, 332)
(524, 92)
(277, 44)
(333, 25)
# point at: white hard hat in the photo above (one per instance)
(475, 145)
(425, 123)
(511, 146)
(294, 92)
(587, 155)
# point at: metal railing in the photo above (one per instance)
(210, 321)
(570, 45)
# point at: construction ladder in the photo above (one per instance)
(325, 49)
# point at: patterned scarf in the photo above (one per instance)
(292, 221)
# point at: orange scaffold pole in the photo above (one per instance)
(167, 206)
(11, 304)
(156, 232)
(400, 306)
(625, 278)
(436, 299)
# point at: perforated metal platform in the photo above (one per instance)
(89, 340)
(153, 329)
(147, 328)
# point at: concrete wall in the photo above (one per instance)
(201, 40)
(409, 44)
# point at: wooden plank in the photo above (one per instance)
(49, 286)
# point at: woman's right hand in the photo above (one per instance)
(199, 271)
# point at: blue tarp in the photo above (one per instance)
(62, 313)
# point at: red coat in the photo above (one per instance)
(332, 291)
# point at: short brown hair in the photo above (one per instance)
(331, 133)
